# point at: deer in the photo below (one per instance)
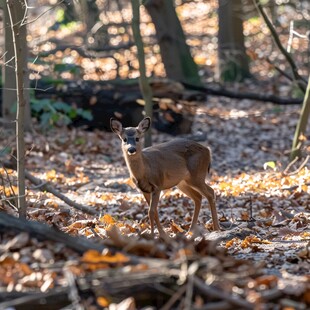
(179, 162)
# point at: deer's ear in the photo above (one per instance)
(144, 125)
(116, 126)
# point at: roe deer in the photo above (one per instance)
(179, 162)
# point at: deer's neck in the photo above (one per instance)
(136, 165)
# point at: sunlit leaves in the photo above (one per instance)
(95, 260)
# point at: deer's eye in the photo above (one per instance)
(137, 139)
(125, 140)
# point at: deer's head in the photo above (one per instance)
(130, 136)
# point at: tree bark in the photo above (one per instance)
(9, 84)
(9, 97)
(233, 61)
(302, 123)
(144, 83)
(14, 8)
(175, 53)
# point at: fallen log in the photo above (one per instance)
(43, 231)
(243, 95)
(54, 299)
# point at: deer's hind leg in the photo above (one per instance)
(207, 191)
(198, 168)
(196, 196)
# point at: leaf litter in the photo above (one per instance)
(261, 258)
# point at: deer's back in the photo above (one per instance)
(178, 147)
(177, 160)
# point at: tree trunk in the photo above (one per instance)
(175, 53)
(302, 123)
(87, 11)
(233, 62)
(8, 70)
(9, 99)
(144, 83)
(14, 9)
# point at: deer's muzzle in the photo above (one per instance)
(131, 150)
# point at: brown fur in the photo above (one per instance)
(179, 162)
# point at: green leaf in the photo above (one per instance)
(45, 120)
(61, 106)
(40, 105)
(79, 141)
(72, 113)
(6, 150)
(87, 114)
(270, 164)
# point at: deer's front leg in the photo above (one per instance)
(153, 214)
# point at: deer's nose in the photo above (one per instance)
(131, 150)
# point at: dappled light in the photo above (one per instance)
(220, 91)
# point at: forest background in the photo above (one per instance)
(230, 74)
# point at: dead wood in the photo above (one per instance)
(154, 285)
(215, 293)
(90, 52)
(54, 299)
(242, 95)
(45, 186)
(42, 231)
(174, 298)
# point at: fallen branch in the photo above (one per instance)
(213, 292)
(242, 95)
(43, 186)
(174, 298)
(57, 298)
(294, 187)
(42, 231)
(90, 52)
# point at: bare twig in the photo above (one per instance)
(174, 298)
(299, 79)
(14, 198)
(213, 292)
(73, 291)
(40, 15)
(285, 172)
(303, 164)
(292, 188)
(279, 70)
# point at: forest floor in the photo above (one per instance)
(262, 201)
(260, 259)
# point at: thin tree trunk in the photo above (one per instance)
(9, 98)
(175, 53)
(9, 84)
(16, 24)
(233, 61)
(144, 83)
(302, 123)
